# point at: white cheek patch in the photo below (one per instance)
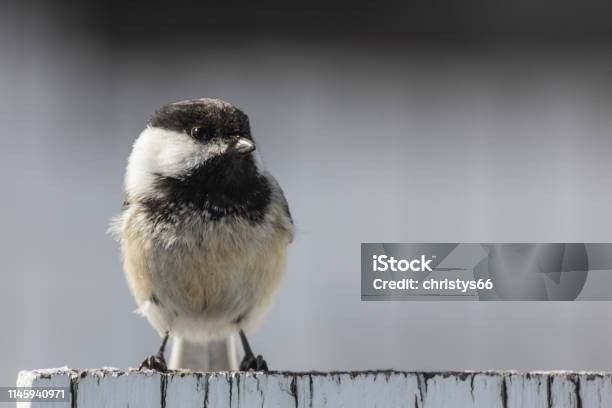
(167, 153)
(177, 154)
(150, 158)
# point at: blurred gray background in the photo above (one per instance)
(486, 121)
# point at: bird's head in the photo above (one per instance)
(183, 137)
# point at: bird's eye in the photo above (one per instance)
(201, 133)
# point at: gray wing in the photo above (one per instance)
(280, 200)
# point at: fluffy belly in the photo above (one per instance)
(204, 289)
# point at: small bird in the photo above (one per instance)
(204, 229)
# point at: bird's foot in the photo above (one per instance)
(155, 362)
(252, 363)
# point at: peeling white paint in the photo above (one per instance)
(55, 377)
(110, 387)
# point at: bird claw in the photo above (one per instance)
(154, 362)
(252, 363)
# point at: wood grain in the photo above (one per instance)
(111, 387)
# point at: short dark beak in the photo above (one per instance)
(241, 145)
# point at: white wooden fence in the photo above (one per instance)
(114, 388)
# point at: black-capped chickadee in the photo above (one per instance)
(204, 230)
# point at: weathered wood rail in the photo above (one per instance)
(114, 388)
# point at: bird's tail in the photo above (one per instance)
(216, 355)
